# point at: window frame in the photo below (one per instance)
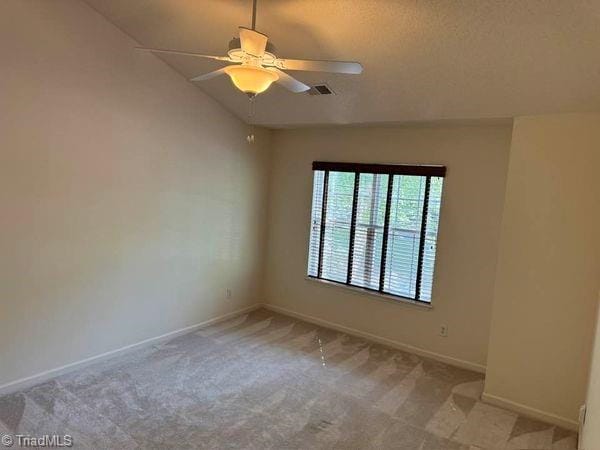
(427, 171)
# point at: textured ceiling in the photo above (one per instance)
(424, 60)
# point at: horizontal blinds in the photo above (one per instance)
(402, 253)
(375, 230)
(431, 232)
(338, 216)
(315, 223)
(368, 235)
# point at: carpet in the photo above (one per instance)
(267, 381)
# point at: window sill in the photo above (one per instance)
(378, 296)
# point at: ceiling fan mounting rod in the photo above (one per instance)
(254, 14)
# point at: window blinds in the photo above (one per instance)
(375, 226)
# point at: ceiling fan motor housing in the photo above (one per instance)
(235, 44)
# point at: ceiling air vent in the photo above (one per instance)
(320, 89)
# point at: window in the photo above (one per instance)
(375, 226)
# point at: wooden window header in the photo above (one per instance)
(393, 169)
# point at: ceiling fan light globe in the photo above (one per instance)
(251, 79)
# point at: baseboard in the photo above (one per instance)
(381, 340)
(32, 380)
(530, 412)
(488, 398)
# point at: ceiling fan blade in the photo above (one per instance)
(209, 75)
(348, 67)
(177, 52)
(289, 82)
(253, 42)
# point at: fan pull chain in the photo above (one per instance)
(251, 110)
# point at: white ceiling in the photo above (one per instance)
(424, 60)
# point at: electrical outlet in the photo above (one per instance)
(228, 294)
(444, 330)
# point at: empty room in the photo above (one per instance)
(300, 224)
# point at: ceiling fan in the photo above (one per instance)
(256, 67)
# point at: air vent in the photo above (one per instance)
(320, 89)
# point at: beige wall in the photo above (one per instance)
(476, 157)
(549, 265)
(129, 199)
(130, 202)
(591, 432)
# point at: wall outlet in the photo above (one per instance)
(228, 294)
(444, 330)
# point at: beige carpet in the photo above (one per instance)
(264, 380)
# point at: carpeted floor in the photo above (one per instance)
(264, 380)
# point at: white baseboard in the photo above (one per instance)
(32, 380)
(530, 412)
(381, 340)
(488, 398)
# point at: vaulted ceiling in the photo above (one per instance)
(423, 59)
